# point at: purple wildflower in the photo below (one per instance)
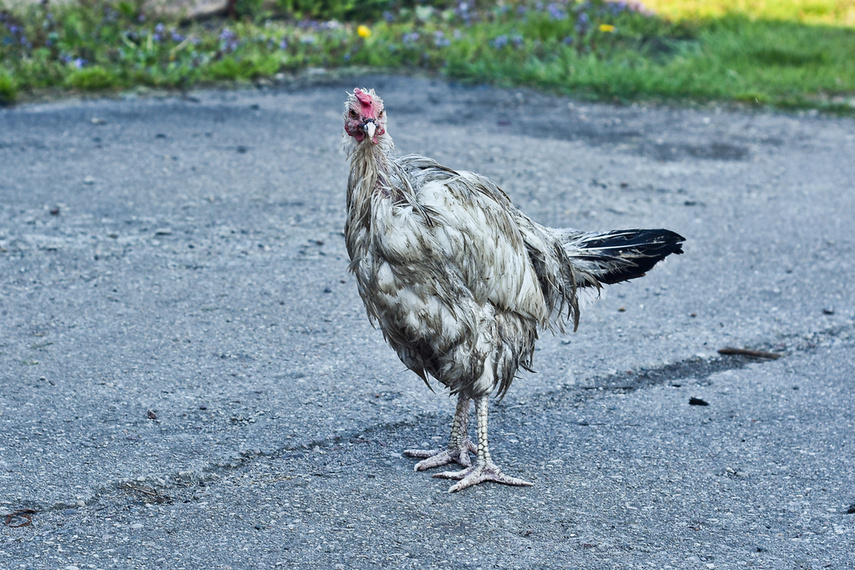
(388, 16)
(283, 44)
(79, 63)
(410, 38)
(582, 22)
(568, 41)
(618, 7)
(226, 35)
(517, 40)
(110, 14)
(464, 13)
(555, 12)
(440, 40)
(228, 40)
(500, 42)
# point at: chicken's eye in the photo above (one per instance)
(353, 114)
(380, 114)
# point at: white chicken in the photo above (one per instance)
(460, 281)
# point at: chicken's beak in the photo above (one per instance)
(370, 127)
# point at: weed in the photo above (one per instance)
(93, 78)
(8, 89)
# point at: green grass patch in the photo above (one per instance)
(94, 78)
(8, 89)
(793, 54)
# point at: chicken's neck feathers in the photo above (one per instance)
(370, 166)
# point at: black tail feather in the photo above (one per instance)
(625, 254)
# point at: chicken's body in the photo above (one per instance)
(459, 280)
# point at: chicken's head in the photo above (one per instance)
(364, 118)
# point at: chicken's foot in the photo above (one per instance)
(459, 444)
(484, 468)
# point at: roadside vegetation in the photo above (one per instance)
(796, 54)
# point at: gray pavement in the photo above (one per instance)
(188, 379)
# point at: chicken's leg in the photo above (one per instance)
(459, 445)
(484, 468)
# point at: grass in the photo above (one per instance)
(811, 12)
(796, 54)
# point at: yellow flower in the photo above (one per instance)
(607, 28)
(363, 31)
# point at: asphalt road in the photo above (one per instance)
(188, 379)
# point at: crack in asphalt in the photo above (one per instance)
(696, 368)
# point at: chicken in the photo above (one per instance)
(460, 281)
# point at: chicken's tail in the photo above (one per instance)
(617, 255)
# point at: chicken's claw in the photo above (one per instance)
(480, 473)
(438, 457)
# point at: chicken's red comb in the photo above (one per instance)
(363, 97)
